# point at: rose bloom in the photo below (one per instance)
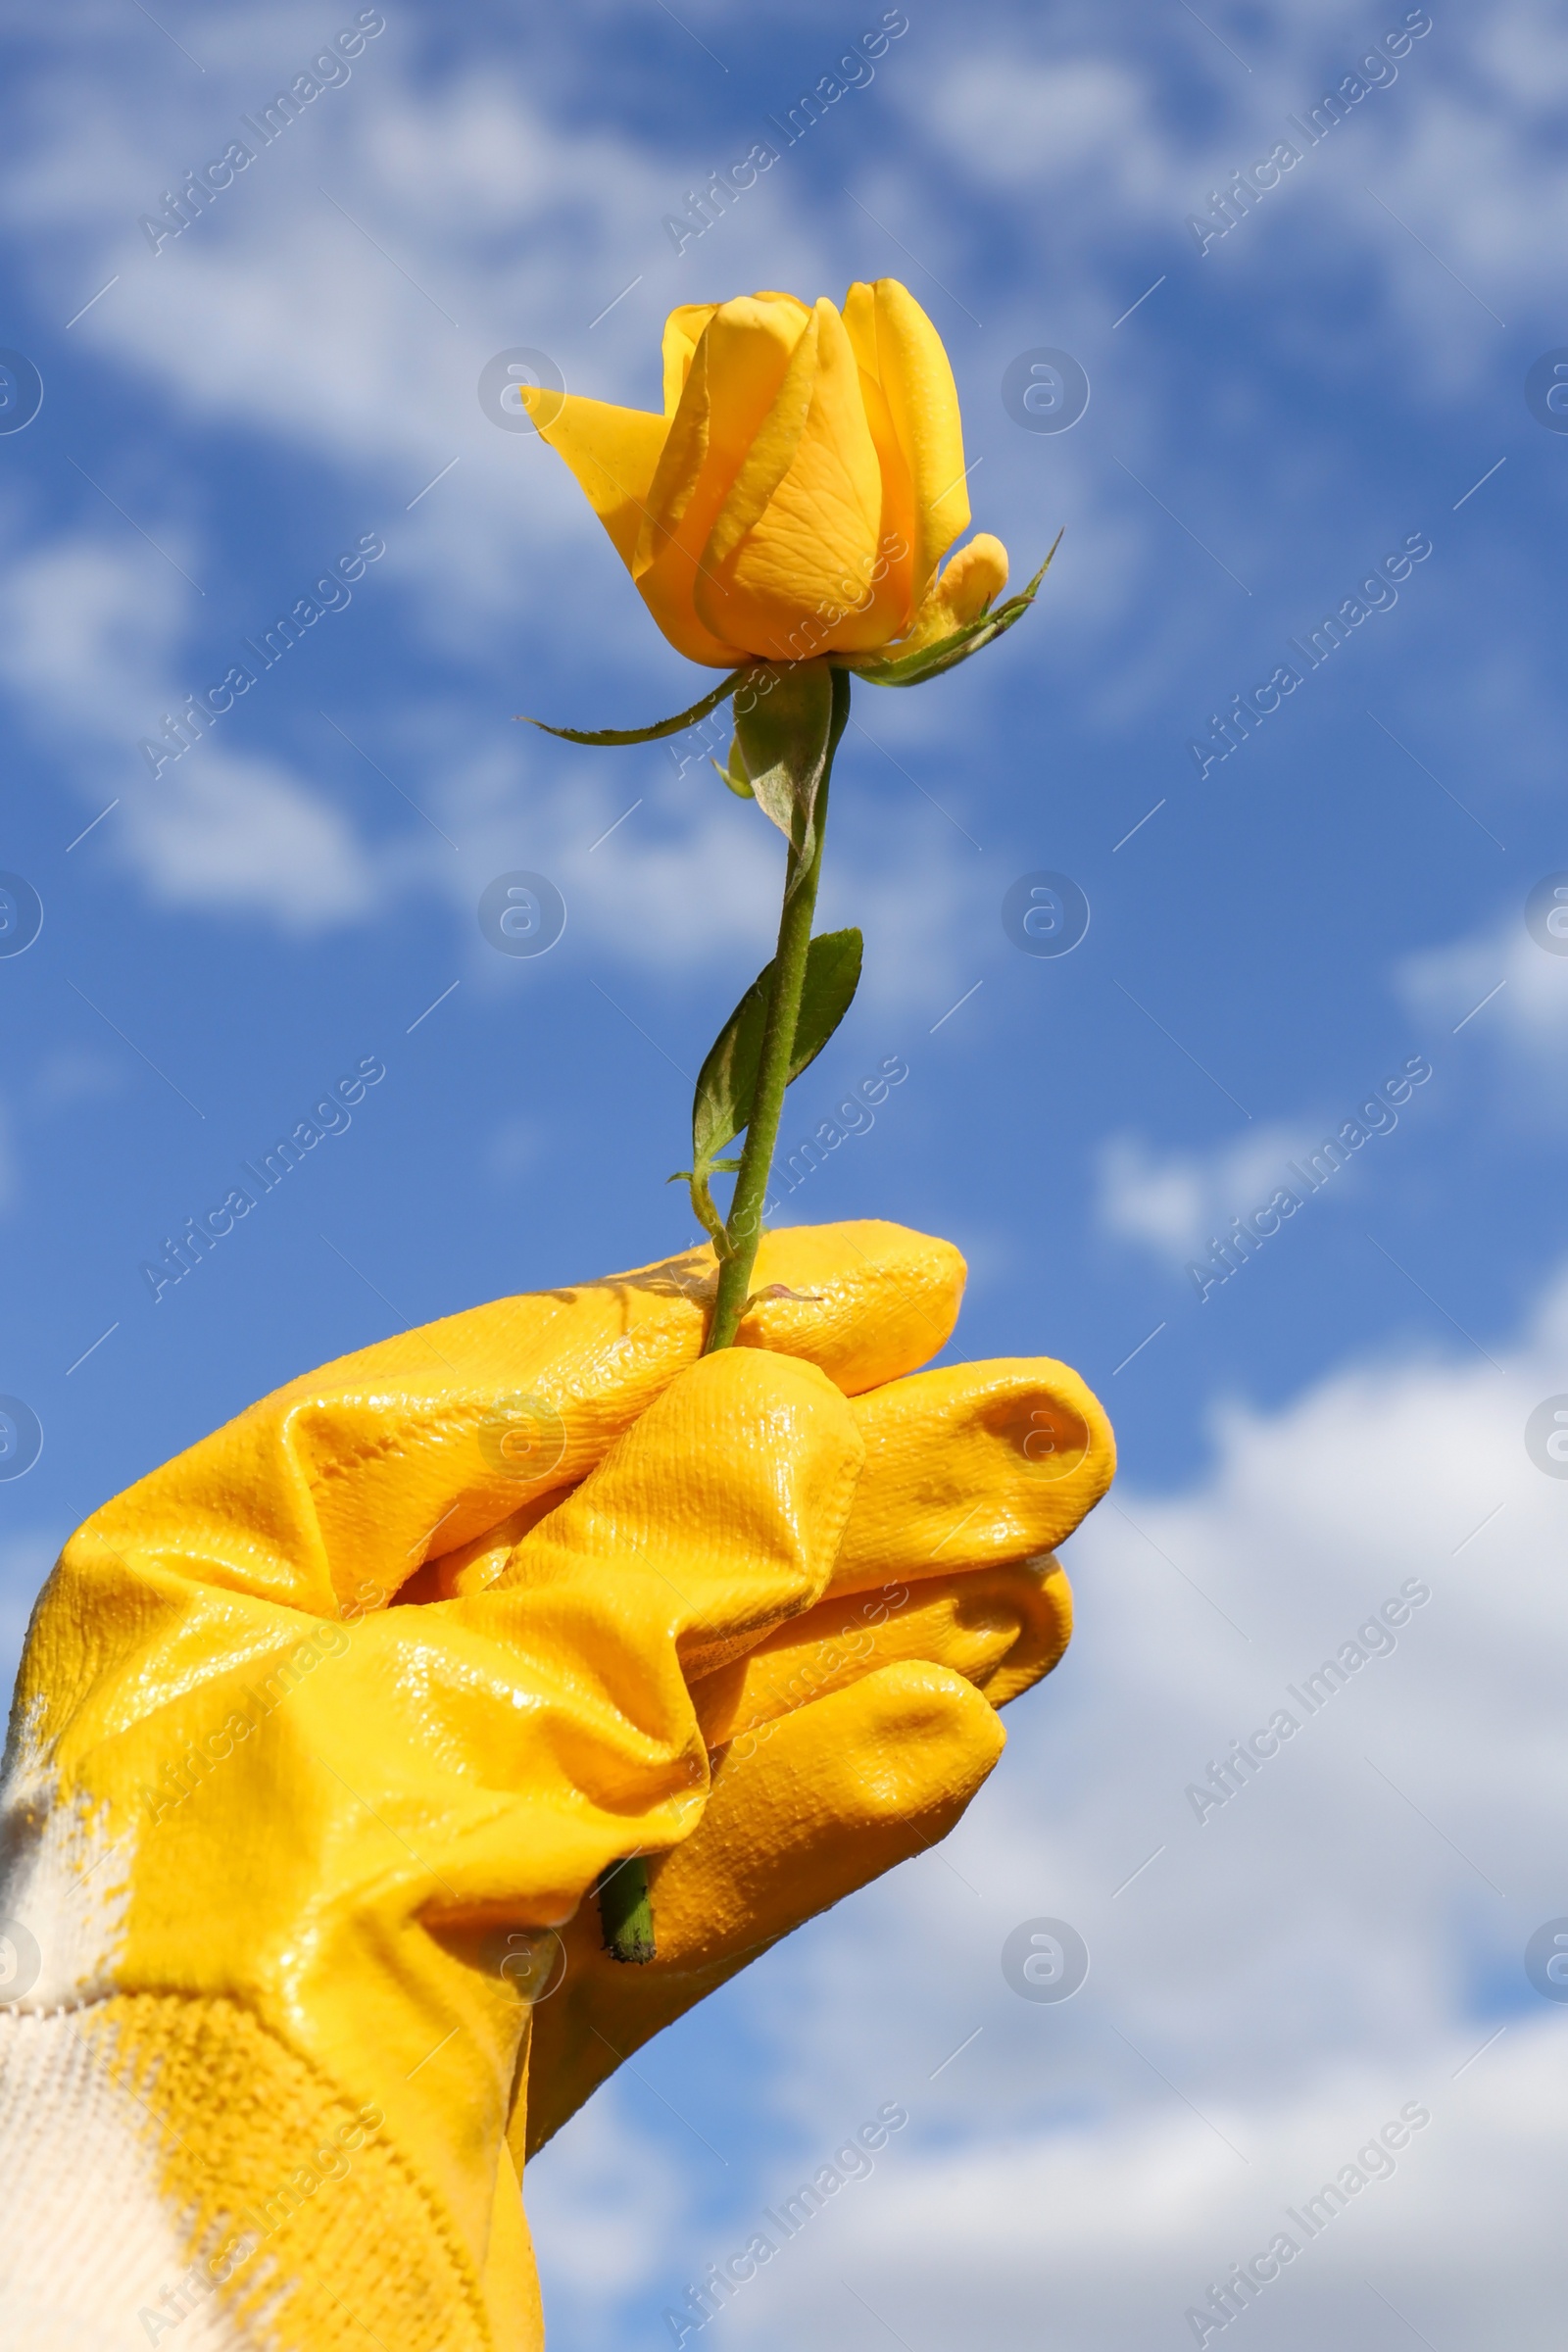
(800, 489)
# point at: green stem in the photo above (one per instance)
(625, 1907)
(625, 1911)
(744, 1222)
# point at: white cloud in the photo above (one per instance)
(671, 872)
(1461, 141)
(1109, 2233)
(603, 2208)
(414, 268)
(1016, 124)
(1173, 1201)
(88, 636)
(83, 625)
(656, 872)
(243, 835)
(1498, 988)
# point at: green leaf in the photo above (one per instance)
(727, 1081)
(782, 724)
(914, 670)
(734, 774)
(652, 734)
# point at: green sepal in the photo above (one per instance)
(914, 670)
(782, 729)
(727, 1081)
(664, 726)
(734, 774)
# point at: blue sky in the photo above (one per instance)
(295, 376)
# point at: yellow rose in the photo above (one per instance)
(800, 489)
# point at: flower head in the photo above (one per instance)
(800, 487)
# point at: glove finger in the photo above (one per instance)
(338, 1486)
(842, 1791)
(1000, 1628)
(717, 1514)
(968, 1466)
(972, 1465)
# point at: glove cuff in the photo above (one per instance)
(171, 2164)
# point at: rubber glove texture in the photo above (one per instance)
(324, 1722)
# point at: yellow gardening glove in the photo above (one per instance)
(853, 1736)
(322, 1722)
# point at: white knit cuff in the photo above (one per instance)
(90, 2260)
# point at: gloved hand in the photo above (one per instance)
(322, 1725)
